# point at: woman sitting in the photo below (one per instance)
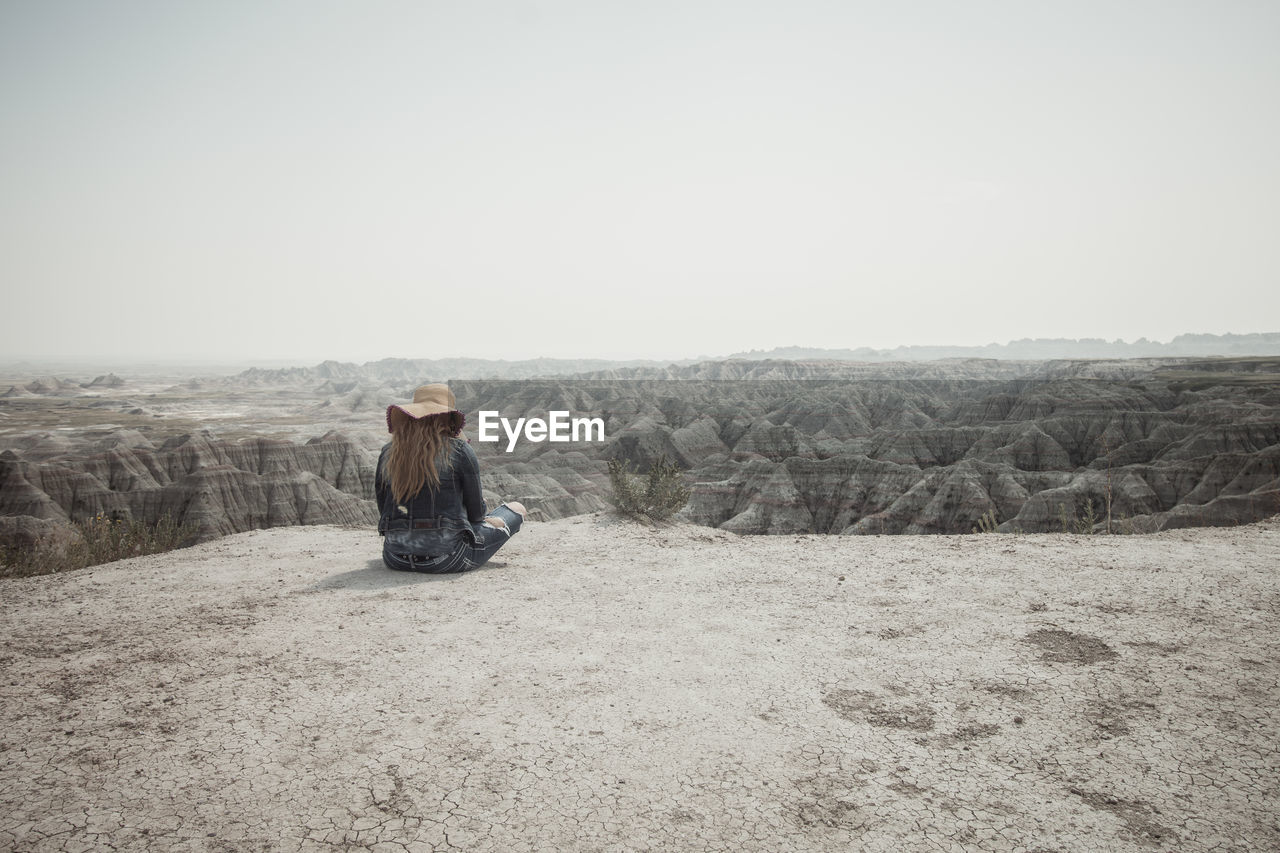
(431, 511)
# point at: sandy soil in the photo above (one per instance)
(609, 687)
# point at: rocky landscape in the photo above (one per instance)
(771, 447)
(609, 686)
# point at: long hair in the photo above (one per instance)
(419, 452)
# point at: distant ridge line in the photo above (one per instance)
(1038, 349)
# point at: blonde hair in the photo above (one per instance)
(419, 451)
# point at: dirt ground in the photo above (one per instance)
(603, 686)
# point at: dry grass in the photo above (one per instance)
(101, 540)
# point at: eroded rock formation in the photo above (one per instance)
(768, 447)
(934, 456)
(220, 487)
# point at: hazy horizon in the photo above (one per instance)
(289, 181)
(207, 364)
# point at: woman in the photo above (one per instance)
(432, 514)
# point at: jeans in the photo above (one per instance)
(465, 556)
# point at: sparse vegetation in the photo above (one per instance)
(654, 497)
(1128, 526)
(1081, 521)
(1086, 518)
(101, 540)
(987, 523)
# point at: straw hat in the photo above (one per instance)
(429, 401)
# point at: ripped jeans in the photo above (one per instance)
(465, 556)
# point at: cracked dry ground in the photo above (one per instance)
(611, 687)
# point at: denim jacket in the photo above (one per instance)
(434, 521)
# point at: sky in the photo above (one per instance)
(247, 179)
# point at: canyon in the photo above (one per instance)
(770, 446)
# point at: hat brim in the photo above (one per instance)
(417, 411)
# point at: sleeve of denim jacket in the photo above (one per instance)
(468, 473)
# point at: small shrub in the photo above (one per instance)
(1082, 522)
(986, 523)
(102, 540)
(657, 496)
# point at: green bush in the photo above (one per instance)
(656, 496)
(102, 540)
